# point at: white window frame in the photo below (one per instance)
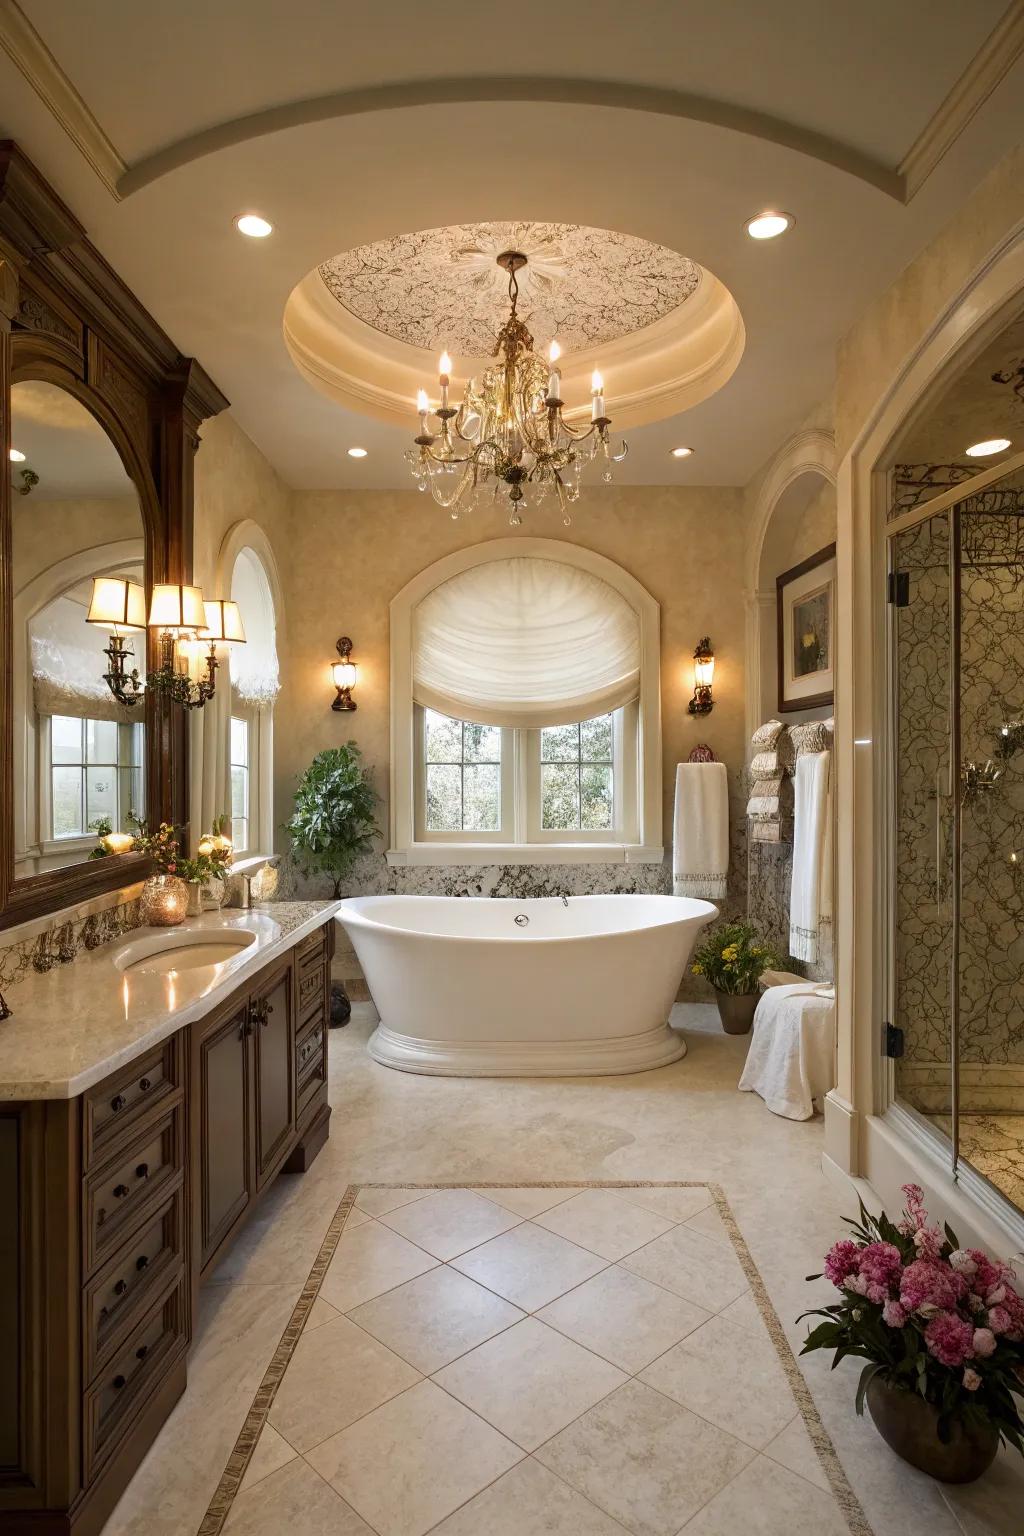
(250, 718)
(77, 842)
(624, 779)
(637, 842)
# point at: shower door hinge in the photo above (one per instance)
(892, 1040)
(899, 589)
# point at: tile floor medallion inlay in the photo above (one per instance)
(543, 1360)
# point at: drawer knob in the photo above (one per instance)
(118, 1382)
(142, 1352)
(120, 1287)
(145, 1084)
(142, 1171)
(117, 1103)
(120, 1190)
(141, 1262)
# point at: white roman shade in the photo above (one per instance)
(525, 642)
(255, 674)
(68, 664)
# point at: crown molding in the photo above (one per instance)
(988, 68)
(30, 55)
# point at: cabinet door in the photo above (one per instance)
(224, 1132)
(274, 1038)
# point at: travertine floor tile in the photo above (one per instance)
(336, 1374)
(528, 1202)
(530, 1381)
(709, 1222)
(369, 1261)
(745, 1311)
(375, 1202)
(793, 1449)
(450, 1222)
(529, 1266)
(294, 1500)
(673, 1204)
(623, 1317)
(435, 1318)
(413, 1461)
(767, 1500)
(319, 1313)
(646, 1461)
(598, 1220)
(692, 1265)
(731, 1377)
(529, 1501)
(271, 1453)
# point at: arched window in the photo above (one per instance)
(254, 687)
(525, 709)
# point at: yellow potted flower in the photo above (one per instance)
(732, 958)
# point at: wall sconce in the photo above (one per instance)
(120, 606)
(703, 676)
(343, 676)
(183, 621)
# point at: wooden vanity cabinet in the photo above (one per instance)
(112, 1207)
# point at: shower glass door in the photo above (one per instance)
(956, 890)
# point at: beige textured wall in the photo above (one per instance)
(44, 532)
(233, 481)
(348, 554)
(874, 349)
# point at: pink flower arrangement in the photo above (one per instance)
(934, 1318)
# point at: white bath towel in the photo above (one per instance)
(791, 1058)
(700, 842)
(811, 845)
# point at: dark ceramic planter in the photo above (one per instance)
(736, 1010)
(910, 1426)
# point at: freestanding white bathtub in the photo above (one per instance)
(547, 987)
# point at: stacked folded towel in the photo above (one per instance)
(772, 760)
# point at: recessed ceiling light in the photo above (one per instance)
(681, 453)
(16, 456)
(357, 453)
(991, 445)
(765, 226)
(254, 226)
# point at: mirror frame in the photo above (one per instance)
(67, 319)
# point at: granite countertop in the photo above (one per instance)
(71, 1027)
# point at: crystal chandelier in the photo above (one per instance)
(509, 435)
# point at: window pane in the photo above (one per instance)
(132, 797)
(444, 738)
(444, 797)
(100, 795)
(240, 833)
(560, 796)
(481, 798)
(67, 802)
(65, 739)
(597, 799)
(596, 740)
(129, 744)
(239, 741)
(481, 743)
(560, 744)
(239, 792)
(101, 741)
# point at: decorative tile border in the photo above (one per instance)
(256, 1418)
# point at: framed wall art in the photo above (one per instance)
(805, 600)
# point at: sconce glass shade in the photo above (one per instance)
(703, 669)
(176, 607)
(343, 674)
(223, 622)
(117, 604)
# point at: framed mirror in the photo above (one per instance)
(78, 543)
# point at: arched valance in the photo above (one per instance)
(68, 664)
(525, 642)
(255, 675)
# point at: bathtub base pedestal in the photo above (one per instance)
(616, 1055)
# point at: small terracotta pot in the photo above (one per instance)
(736, 1010)
(910, 1426)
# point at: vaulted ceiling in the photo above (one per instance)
(669, 120)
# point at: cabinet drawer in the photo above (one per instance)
(310, 992)
(121, 1193)
(113, 1109)
(312, 950)
(120, 1390)
(310, 1067)
(120, 1293)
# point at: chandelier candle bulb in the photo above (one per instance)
(445, 378)
(597, 403)
(554, 377)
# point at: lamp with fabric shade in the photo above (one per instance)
(223, 622)
(183, 621)
(120, 606)
(176, 607)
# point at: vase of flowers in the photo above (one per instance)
(732, 958)
(941, 1331)
(164, 901)
(209, 868)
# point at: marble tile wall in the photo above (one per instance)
(62, 937)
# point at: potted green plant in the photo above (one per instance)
(732, 958)
(334, 818)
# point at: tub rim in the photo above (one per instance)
(348, 913)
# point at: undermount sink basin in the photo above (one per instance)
(157, 954)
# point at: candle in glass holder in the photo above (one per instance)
(118, 842)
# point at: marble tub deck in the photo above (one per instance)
(684, 1122)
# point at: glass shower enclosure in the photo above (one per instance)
(956, 825)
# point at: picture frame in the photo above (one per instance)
(805, 598)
